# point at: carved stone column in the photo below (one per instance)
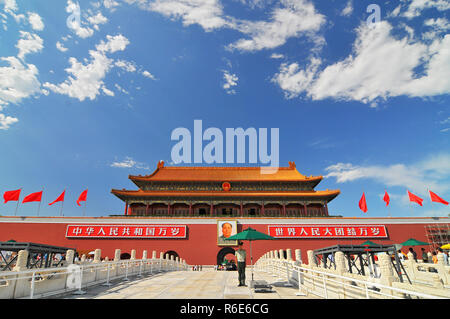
(22, 258)
(117, 255)
(298, 255)
(289, 254)
(97, 256)
(70, 254)
(311, 259)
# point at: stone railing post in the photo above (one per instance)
(280, 254)
(161, 259)
(83, 258)
(311, 259)
(289, 254)
(133, 254)
(298, 256)
(97, 256)
(144, 255)
(442, 271)
(117, 255)
(412, 265)
(154, 254)
(70, 254)
(22, 258)
(339, 259)
(386, 270)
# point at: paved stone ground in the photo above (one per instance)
(206, 284)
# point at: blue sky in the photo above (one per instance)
(364, 102)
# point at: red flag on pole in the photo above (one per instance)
(386, 198)
(437, 199)
(11, 195)
(82, 197)
(363, 204)
(414, 198)
(60, 198)
(33, 197)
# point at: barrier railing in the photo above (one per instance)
(41, 283)
(329, 285)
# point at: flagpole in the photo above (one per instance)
(39, 206)
(387, 206)
(62, 205)
(432, 206)
(410, 205)
(18, 200)
(84, 210)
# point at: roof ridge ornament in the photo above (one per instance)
(160, 164)
(292, 165)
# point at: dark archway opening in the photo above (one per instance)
(171, 253)
(125, 256)
(223, 253)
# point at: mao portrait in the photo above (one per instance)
(225, 229)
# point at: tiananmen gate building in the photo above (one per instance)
(187, 212)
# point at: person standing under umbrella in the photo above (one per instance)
(241, 254)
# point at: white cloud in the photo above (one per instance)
(107, 91)
(293, 80)
(86, 80)
(128, 162)
(120, 89)
(97, 19)
(432, 173)
(29, 43)
(348, 10)
(440, 24)
(230, 82)
(113, 44)
(276, 56)
(60, 47)
(148, 75)
(125, 65)
(381, 66)
(6, 121)
(290, 18)
(295, 18)
(110, 4)
(207, 13)
(36, 21)
(17, 81)
(415, 7)
(10, 7)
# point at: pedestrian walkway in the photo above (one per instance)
(206, 284)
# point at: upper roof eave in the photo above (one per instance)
(229, 174)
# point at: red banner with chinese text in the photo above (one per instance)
(126, 231)
(327, 231)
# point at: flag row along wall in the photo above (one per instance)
(412, 198)
(14, 195)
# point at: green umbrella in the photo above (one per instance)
(250, 234)
(370, 243)
(413, 242)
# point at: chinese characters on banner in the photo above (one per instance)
(328, 231)
(126, 231)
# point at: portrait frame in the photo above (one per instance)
(220, 240)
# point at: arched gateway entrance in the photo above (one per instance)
(222, 253)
